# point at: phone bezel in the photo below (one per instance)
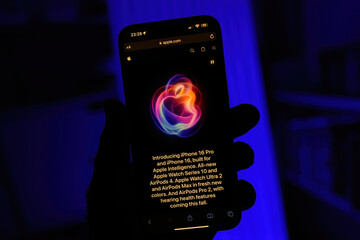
(124, 37)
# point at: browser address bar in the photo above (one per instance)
(170, 41)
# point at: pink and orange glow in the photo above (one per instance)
(176, 107)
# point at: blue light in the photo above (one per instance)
(266, 220)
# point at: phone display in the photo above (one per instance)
(177, 99)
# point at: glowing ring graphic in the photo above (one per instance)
(176, 107)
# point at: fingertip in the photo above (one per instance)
(249, 198)
(243, 156)
(254, 112)
(243, 117)
(244, 195)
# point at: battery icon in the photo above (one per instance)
(204, 25)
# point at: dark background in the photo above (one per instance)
(310, 52)
(56, 68)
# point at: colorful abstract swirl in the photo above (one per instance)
(176, 107)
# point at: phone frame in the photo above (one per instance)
(176, 24)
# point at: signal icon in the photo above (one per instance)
(197, 25)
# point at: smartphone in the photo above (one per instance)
(177, 99)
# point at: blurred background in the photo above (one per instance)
(297, 61)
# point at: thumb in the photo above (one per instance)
(115, 113)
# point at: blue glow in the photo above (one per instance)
(266, 220)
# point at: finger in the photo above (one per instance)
(244, 195)
(242, 156)
(243, 117)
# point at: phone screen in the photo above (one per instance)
(177, 99)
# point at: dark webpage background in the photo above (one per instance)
(151, 69)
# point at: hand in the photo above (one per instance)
(110, 196)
